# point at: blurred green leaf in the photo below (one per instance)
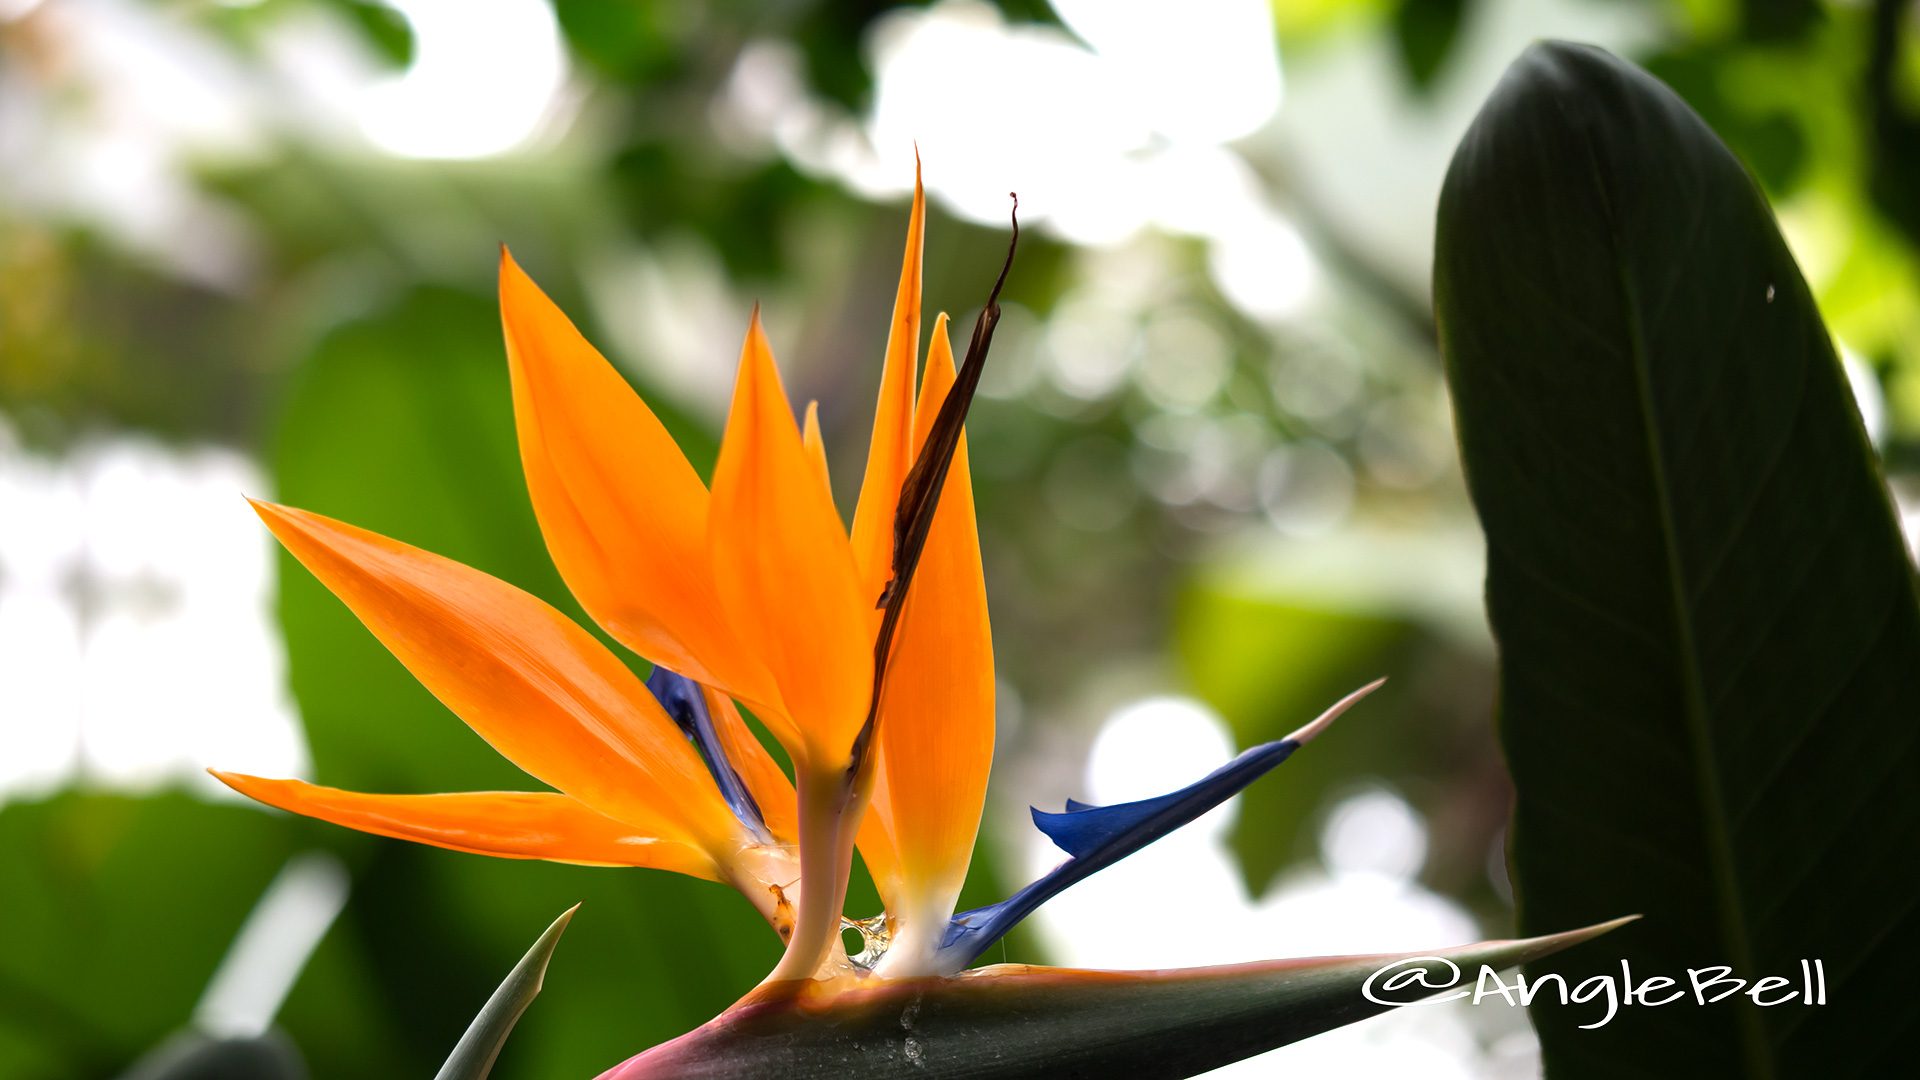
(631, 41)
(1018, 1021)
(98, 888)
(1424, 32)
(1228, 643)
(474, 1055)
(1778, 20)
(1710, 646)
(1893, 111)
(1270, 633)
(383, 27)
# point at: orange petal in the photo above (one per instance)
(936, 718)
(771, 789)
(509, 824)
(624, 515)
(783, 570)
(541, 690)
(875, 840)
(890, 454)
(816, 446)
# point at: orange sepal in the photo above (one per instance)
(541, 690)
(890, 453)
(936, 717)
(783, 569)
(507, 824)
(936, 723)
(816, 446)
(623, 513)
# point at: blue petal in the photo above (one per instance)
(1095, 837)
(1087, 832)
(683, 701)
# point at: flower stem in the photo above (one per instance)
(831, 805)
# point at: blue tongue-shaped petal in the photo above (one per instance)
(1095, 837)
(1089, 832)
(684, 702)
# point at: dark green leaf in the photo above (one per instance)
(474, 1055)
(1779, 20)
(1893, 161)
(1710, 647)
(1769, 137)
(1017, 1021)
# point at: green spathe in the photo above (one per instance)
(1018, 1021)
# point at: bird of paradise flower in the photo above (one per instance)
(867, 655)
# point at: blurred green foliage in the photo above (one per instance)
(113, 923)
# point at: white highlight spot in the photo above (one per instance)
(1153, 746)
(137, 643)
(484, 76)
(1867, 395)
(1263, 267)
(1374, 832)
(1306, 488)
(1124, 127)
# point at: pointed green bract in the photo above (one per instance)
(1709, 641)
(1017, 1021)
(474, 1055)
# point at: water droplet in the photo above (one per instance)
(1769, 294)
(877, 932)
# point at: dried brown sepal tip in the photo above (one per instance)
(920, 491)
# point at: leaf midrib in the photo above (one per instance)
(1712, 799)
